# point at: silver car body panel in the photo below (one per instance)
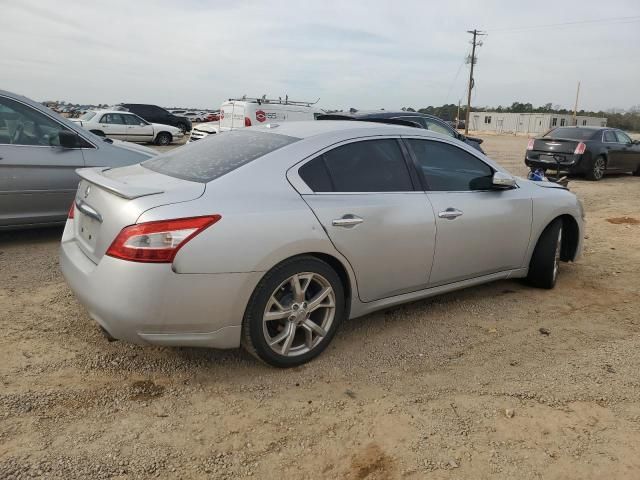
(38, 182)
(200, 299)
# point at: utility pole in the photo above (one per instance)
(475, 43)
(575, 108)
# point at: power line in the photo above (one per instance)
(602, 21)
(456, 78)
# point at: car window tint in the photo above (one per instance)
(316, 175)
(112, 118)
(21, 124)
(622, 137)
(609, 136)
(132, 120)
(438, 128)
(217, 155)
(416, 119)
(449, 168)
(368, 166)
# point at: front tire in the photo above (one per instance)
(294, 312)
(598, 167)
(545, 261)
(163, 139)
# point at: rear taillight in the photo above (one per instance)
(72, 210)
(158, 242)
(580, 149)
(530, 144)
(247, 122)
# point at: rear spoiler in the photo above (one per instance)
(121, 189)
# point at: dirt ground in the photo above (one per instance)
(499, 381)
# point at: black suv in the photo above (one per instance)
(155, 114)
(414, 119)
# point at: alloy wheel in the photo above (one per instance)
(598, 168)
(299, 314)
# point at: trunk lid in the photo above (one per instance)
(555, 145)
(108, 200)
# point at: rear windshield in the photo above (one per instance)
(216, 155)
(87, 115)
(571, 133)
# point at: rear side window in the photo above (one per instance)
(450, 169)
(610, 137)
(366, 166)
(216, 156)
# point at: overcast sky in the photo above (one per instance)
(363, 54)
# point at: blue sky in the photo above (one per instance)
(363, 54)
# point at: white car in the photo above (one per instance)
(128, 126)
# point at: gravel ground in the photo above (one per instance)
(499, 381)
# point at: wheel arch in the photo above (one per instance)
(570, 236)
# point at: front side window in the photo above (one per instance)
(450, 169)
(133, 120)
(365, 166)
(622, 137)
(218, 155)
(21, 124)
(112, 118)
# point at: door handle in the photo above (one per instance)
(450, 213)
(347, 221)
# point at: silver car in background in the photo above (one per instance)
(39, 154)
(271, 236)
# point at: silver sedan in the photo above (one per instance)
(270, 237)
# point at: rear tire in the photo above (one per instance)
(598, 167)
(286, 328)
(163, 139)
(545, 261)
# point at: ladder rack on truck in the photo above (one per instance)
(279, 100)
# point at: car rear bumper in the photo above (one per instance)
(568, 163)
(149, 303)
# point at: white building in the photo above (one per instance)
(527, 123)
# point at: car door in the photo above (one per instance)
(614, 149)
(138, 130)
(113, 126)
(364, 197)
(629, 153)
(480, 230)
(37, 175)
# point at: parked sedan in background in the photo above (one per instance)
(128, 126)
(39, 154)
(271, 236)
(420, 120)
(590, 151)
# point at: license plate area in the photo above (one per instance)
(88, 229)
(549, 158)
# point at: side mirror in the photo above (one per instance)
(503, 180)
(68, 139)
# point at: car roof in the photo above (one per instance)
(311, 128)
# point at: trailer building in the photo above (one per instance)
(528, 123)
